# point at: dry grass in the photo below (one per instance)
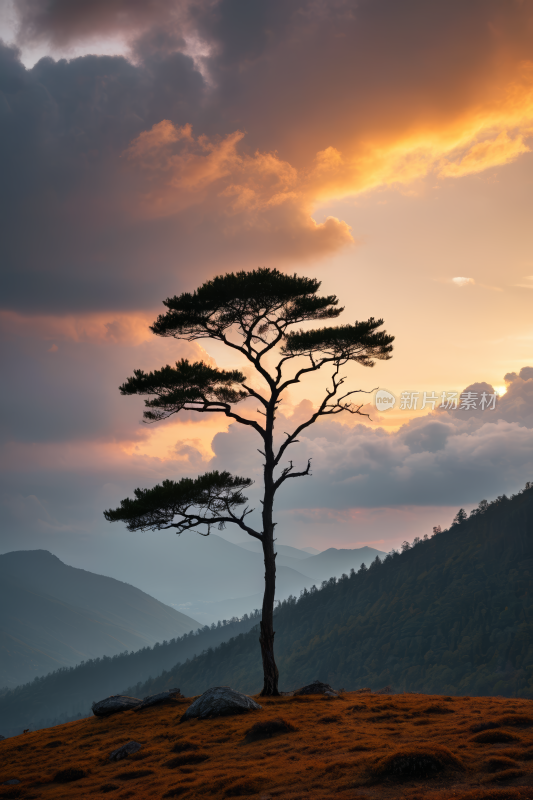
(356, 747)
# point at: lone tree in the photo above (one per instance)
(250, 312)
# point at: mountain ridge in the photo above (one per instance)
(54, 615)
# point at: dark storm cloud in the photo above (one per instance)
(67, 239)
(60, 21)
(320, 92)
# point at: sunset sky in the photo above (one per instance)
(383, 147)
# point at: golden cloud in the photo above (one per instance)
(184, 169)
(484, 155)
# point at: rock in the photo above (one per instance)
(2, 738)
(125, 750)
(114, 704)
(386, 690)
(12, 782)
(158, 699)
(220, 701)
(317, 687)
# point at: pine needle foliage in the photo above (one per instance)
(215, 494)
(186, 384)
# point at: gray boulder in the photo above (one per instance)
(124, 751)
(114, 704)
(159, 699)
(317, 687)
(220, 701)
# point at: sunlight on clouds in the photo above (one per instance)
(131, 329)
(463, 281)
(182, 169)
(178, 439)
(491, 153)
(526, 285)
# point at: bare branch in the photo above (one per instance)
(288, 473)
(325, 409)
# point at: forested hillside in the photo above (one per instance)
(449, 614)
(68, 692)
(452, 614)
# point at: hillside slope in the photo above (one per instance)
(354, 746)
(53, 615)
(68, 692)
(451, 614)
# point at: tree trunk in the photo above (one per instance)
(270, 670)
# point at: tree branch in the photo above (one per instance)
(325, 410)
(288, 473)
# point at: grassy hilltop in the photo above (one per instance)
(354, 746)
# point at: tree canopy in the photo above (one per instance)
(250, 312)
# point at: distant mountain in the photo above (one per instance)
(311, 550)
(68, 692)
(283, 549)
(321, 566)
(333, 563)
(293, 574)
(450, 615)
(192, 573)
(53, 615)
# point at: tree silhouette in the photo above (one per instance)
(250, 312)
(460, 517)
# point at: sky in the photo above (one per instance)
(384, 148)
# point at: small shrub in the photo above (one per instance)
(181, 747)
(495, 737)
(55, 743)
(244, 787)
(497, 763)
(14, 793)
(415, 762)
(109, 787)
(524, 793)
(68, 775)
(505, 775)
(134, 774)
(268, 728)
(177, 791)
(515, 720)
(483, 726)
(328, 720)
(186, 760)
(436, 709)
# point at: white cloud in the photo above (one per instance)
(463, 281)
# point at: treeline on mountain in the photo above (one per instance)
(68, 692)
(449, 614)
